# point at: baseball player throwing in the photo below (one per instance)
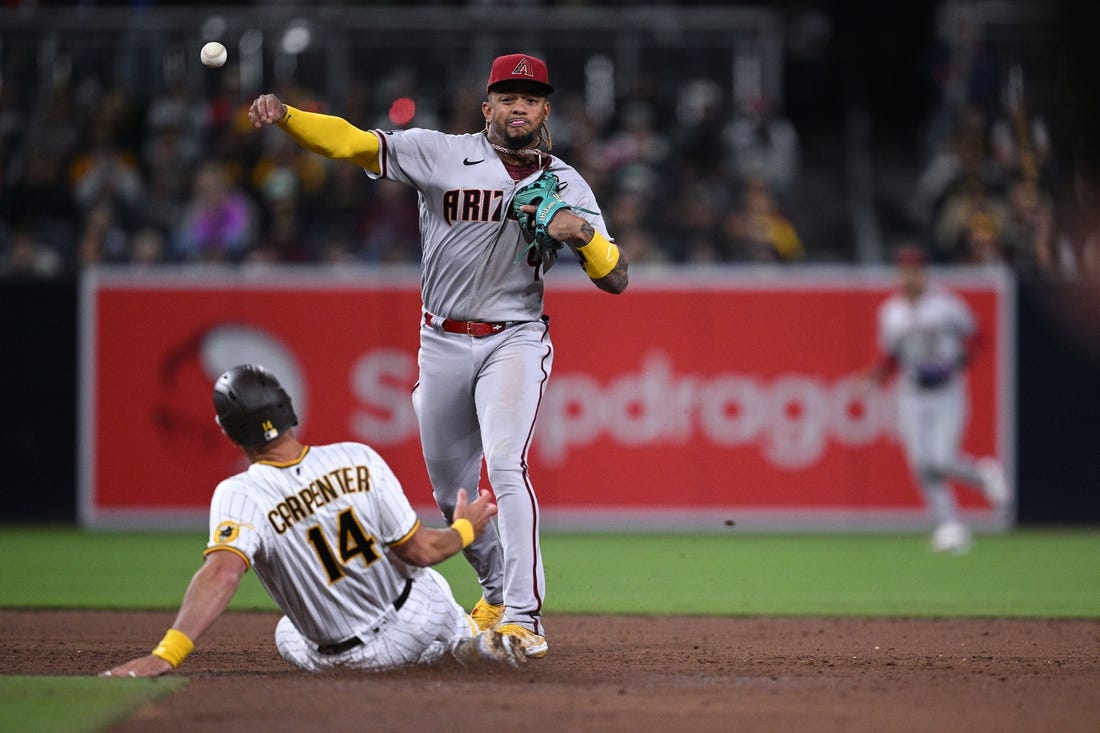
(926, 332)
(334, 542)
(495, 209)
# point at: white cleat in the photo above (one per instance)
(951, 538)
(994, 483)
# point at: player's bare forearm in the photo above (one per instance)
(428, 546)
(210, 591)
(568, 228)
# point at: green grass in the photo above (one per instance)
(64, 567)
(74, 704)
(1027, 573)
(1036, 573)
(1031, 572)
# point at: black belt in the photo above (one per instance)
(404, 595)
(343, 646)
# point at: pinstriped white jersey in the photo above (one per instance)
(469, 235)
(315, 531)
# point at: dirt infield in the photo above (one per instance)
(616, 674)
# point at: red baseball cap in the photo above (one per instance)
(909, 255)
(519, 67)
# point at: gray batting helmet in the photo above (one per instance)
(252, 407)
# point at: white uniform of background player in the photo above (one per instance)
(485, 350)
(924, 330)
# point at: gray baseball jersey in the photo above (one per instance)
(470, 237)
(316, 531)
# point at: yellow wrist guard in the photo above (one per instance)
(465, 530)
(599, 256)
(174, 647)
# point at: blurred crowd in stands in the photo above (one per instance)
(93, 174)
(181, 178)
(988, 190)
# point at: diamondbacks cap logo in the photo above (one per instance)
(522, 68)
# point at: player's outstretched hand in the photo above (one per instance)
(147, 666)
(266, 109)
(479, 511)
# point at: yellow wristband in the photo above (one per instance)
(465, 530)
(174, 647)
(599, 256)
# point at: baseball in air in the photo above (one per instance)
(213, 55)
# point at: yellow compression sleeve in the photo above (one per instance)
(332, 137)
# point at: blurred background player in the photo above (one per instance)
(485, 350)
(927, 332)
(335, 543)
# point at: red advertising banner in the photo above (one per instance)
(689, 401)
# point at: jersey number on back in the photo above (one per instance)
(352, 541)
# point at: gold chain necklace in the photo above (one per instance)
(521, 152)
(534, 152)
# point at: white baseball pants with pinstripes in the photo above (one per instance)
(426, 627)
